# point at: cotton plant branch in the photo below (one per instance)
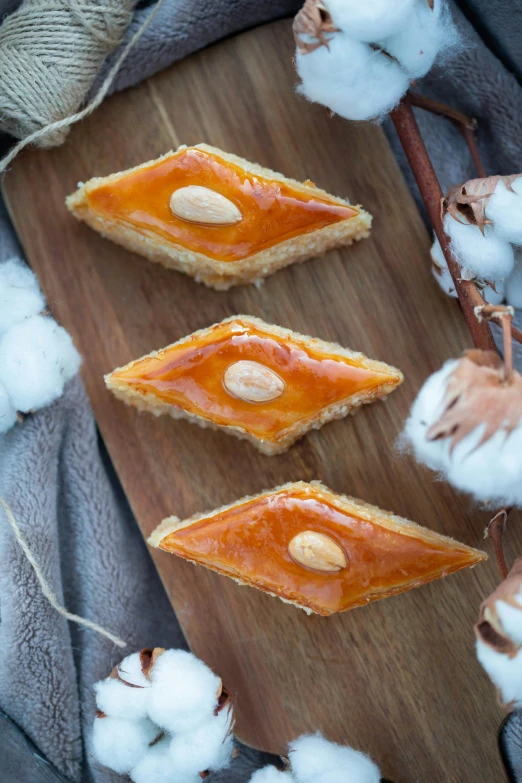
(420, 164)
(475, 309)
(422, 168)
(466, 125)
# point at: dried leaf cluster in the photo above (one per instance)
(467, 203)
(478, 393)
(489, 628)
(311, 25)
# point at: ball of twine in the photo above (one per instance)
(50, 54)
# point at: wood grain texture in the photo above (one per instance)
(397, 678)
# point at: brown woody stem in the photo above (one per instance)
(503, 314)
(469, 136)
(508, 347)
(428, 184)
(465, 124)
(495, 531)
(442, 109)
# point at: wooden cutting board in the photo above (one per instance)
(398, 678)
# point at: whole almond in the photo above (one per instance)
(317, 551)
(197, 204)
(252, 382)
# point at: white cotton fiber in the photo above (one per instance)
(440, 269)
(486, 256)
(184, 691)
(350, 78)
(370, 20)
(425, 34)
(514, 283)
(119, 744)
(504, 209)
(7, 411)
(271, 775)
(20, 295)
(504, 672)
(37, 357)
(425, 411)
(492, 472)
(209, 747)
(511, 618)
(443, 277)
(118, 700)
(445, 281)
(315, 760)
(155, 766)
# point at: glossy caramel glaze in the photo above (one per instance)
(273, 211)
(190, 376)
(250, 542)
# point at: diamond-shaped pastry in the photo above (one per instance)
(311, 547)
(254, 380)
(216, 217)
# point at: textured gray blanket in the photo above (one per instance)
(53, 469)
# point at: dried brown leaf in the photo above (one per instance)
(310, 26)
(467, 203)
(489, 628)
(148, 658)
(116, 675)
(476, 393)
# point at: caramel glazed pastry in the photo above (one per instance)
(320, 551)
(254, 380)
(215, 216)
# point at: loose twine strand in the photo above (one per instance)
(69, 45)
(46, 588)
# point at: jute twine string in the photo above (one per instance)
(50, 54)
(46, 588)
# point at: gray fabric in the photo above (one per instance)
(74, 516)
(510, 743)
(182, 26)
(56, 476)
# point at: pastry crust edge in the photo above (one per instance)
(361, 508)
(338, 410)
(213, 273)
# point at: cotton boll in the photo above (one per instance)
(208, 747)
(491, 472)
(514, 284)
(155, 766)
(371, 20)
(118, 700)
(443, 277)
(7, 411)
(37, 357)
(440, 269)
(119, 744)
(488, 256)
(511, 618)
(503, 671)
(504, 209)
(130, 670)
(425, 34)
(20, 295)
(350, 78)
(271, 775)
(426, 409)
(184, 691)
(315, 760)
